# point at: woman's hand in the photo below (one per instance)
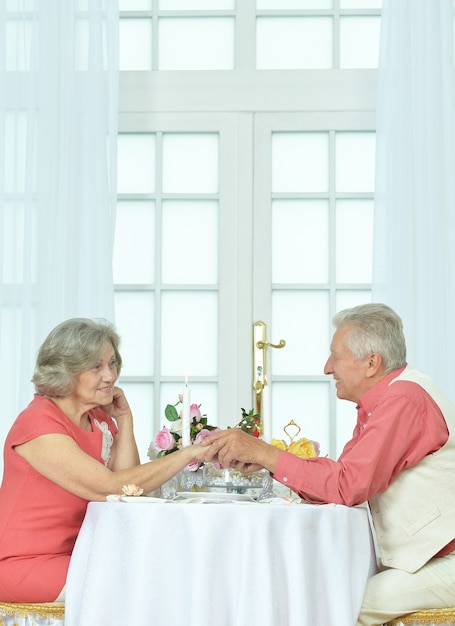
(119, 406)
(197, 451)
(124, 452)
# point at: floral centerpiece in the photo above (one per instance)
(169, 439)
(198, 474)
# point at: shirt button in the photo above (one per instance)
(285, 479)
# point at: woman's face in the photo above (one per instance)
(95, 386)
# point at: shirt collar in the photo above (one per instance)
(371, 397)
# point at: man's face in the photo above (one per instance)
(350, 374)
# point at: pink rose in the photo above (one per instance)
(164, 440)
(203, 434)
(195, 412)
(193, 466)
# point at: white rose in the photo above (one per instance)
(176, 427)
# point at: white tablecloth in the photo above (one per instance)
(236, 564)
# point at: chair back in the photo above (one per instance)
(429, 617)
(32, 614)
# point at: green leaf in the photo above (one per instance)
(171, 413)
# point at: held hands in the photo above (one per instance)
(234, 448)
(198, 452)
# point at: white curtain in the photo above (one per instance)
(414, 257)
(58, 134)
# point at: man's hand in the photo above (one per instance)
(237, 449)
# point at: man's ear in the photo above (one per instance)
(374, 364)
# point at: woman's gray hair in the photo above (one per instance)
(374, 328)
(70, 348)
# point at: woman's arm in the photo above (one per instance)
(59, 458)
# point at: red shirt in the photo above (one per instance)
(397, 425)
(39, 520)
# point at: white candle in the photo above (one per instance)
(266, 415)
(186, 414)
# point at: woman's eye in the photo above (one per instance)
(113, 363)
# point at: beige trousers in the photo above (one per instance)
(392, 592)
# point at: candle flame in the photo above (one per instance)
(186, 379)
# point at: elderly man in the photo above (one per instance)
(401, 459)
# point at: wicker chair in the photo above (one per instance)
(28, 614)
(427, 617)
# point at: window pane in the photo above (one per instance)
(346, 299)
(359, 42)
(300, 241)
(354, 241)
(294, 4)
(300, 162)
(190, 163)
(312, 414)
(18, 253)
(346, 417)
(293, 43)
(189, 335)
(136, 163)
(360, 4)
(303, 315)
(355, 162)
(18, 5)
(190, 242)
(135, 44)
(135, 5)
(133, 260)
(205, 43)
(18, 35)
(193, 5)
(134, 319)
(17, 144)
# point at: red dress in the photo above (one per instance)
(39, 521)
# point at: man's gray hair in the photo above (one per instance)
(374, 328)
(71, 348)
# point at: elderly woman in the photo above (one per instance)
(73, 443)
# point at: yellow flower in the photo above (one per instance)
(303, 448)
(279, 443)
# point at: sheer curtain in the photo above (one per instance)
(58, 134)
(414, 257)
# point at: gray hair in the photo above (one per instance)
(374, 328)
(71, 348)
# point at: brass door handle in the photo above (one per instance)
(260, 345)
(263, 344)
